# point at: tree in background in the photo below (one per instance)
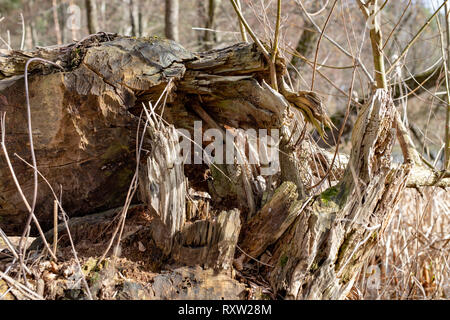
(171, 19)
(91, 14)
(56, 22)
(210, 37)
(135, 18)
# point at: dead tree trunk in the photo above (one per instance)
(85, 119)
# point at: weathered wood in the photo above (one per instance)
(96, 227)
(197, 205)
(162, 180)
(84, 119)
(209, 243)
(86, 158)
(270, 223)
(319, 256)
(197, 284)
(12, 63)
(84, 133)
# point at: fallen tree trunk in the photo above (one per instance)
(85, 122)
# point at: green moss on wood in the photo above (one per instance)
(283, 260)
(114, 151)
(329, 195)
(314, 267)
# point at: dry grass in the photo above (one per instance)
(411, 261)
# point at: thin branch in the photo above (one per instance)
(64, 216)
(241, 25)
(347, 113)
(396, 26)
(376, 41)
(318, 44)
(272, 69)
(22, 42)
(30, 294)
(33, 156)
(337, 45)
(55, 227)
(447, 113)
(445, 56)
(19, 188)
(413, 40)
(249, 30)
(277, 32)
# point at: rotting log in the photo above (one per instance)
(162, 179)
(272, 221)
(85, 121)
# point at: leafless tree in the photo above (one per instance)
(91, 14)
(210, 36)
(56, 22)
(171, 19)
(134, 7)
